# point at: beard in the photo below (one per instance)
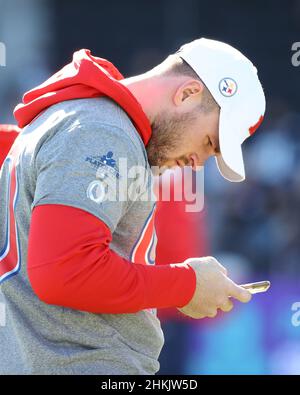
(169, 132)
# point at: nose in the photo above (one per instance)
(194, 160)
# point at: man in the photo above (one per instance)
(77, 265)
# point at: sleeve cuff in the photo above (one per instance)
(167, 285)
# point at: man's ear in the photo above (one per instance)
(190, 89)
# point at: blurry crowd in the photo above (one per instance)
(253, 229)
(259, 219)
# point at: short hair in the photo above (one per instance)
(175, 65)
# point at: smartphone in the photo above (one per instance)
(254, 288)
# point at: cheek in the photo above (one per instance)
(203, 152)
(190, 145)
(201, 149)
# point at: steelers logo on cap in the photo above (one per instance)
(227, 87)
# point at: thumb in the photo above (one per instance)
(239, 293)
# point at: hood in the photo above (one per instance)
(86, 76)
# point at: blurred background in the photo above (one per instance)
(253, 228)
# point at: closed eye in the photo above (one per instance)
(209, 142)
(215, 146)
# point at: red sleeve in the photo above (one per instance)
(71, 264)
(8, 134)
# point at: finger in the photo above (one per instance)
(212, 314)
(239, 293)
(196, 315)
(226, 307)
(192, 314)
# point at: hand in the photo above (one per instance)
(213, 289)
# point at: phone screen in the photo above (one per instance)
(261, 286)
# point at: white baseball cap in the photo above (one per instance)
(233, 82)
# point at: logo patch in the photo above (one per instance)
(107, 173)
(105, 162)
(227, 87)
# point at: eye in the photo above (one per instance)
(209, 142)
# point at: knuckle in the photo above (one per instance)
(222, 301)
(211, 260)
(195, 315)
(227, 307)
(212, 315)
(199, 316)
(223, 269)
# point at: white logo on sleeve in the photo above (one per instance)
(96, 191)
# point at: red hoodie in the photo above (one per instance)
(128, 287)
(86, 76)
(8, 134)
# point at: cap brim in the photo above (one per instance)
(230, 163)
